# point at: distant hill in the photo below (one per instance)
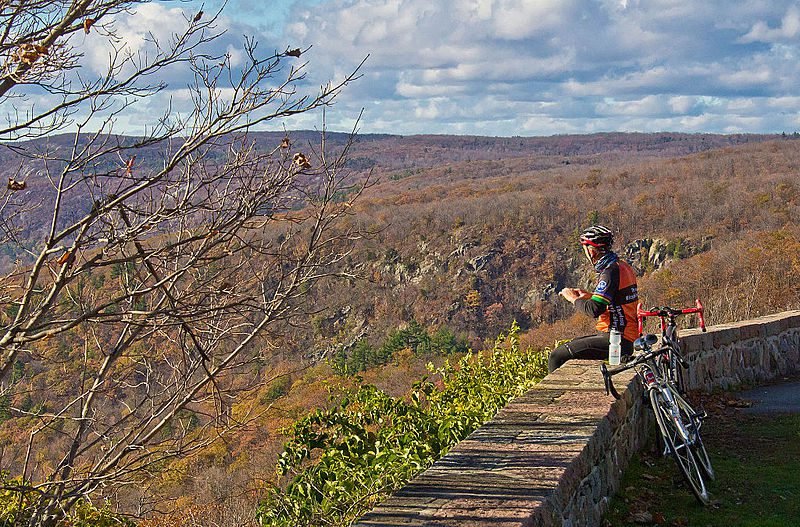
(388, 157)
(396, 152)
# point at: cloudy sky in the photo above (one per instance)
(536, 67)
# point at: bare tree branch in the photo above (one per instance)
(155, 283)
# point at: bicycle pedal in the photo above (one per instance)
(701, 415)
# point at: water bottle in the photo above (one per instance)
(614, 349)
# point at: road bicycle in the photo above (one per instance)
(675, 363)
(678, 423)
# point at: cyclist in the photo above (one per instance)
(613, 301)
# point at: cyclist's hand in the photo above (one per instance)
(570, 294)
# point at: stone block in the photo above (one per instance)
(773, 327)
(696, 342)
(752, 330)
(793, 319)
(724, 335)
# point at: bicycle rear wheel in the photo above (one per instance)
(676, 436)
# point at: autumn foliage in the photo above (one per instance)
(467, 236)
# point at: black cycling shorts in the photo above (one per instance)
(593, 347)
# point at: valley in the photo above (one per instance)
(459, 237)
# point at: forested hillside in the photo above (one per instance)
(475, 245)
(465, 236)
(391, 158)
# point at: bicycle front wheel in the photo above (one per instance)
(693, 422)
(676, 436)
(675, 370)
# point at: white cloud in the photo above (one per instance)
(648, 105)
(520, 19)
(682, 104)
(135, 32)
(506, 67)
(414, 90)
(788, 29)
(784, 104)
(428, 111)
(747, 78)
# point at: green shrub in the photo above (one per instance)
(343, 460)
(413, 337)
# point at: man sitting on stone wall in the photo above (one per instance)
(613, 301)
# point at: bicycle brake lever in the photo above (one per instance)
(610, 390)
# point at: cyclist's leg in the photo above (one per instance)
(558, 356)
(588, 347)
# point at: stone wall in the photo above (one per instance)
(743, 353)
(554, 456)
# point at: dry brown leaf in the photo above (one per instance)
(642, 518)
(129, 165)
(301, 160)
(65, 258)
(27, 53)
(15, 185)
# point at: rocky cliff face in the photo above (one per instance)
(649, 254)
(477, 285)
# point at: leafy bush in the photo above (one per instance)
(346, 459)
(15, 509)
(277, 389)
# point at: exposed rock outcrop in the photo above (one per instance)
(654, 253)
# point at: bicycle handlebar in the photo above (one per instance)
(638, 359)
(669, 312)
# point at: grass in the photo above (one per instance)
(757, 463)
